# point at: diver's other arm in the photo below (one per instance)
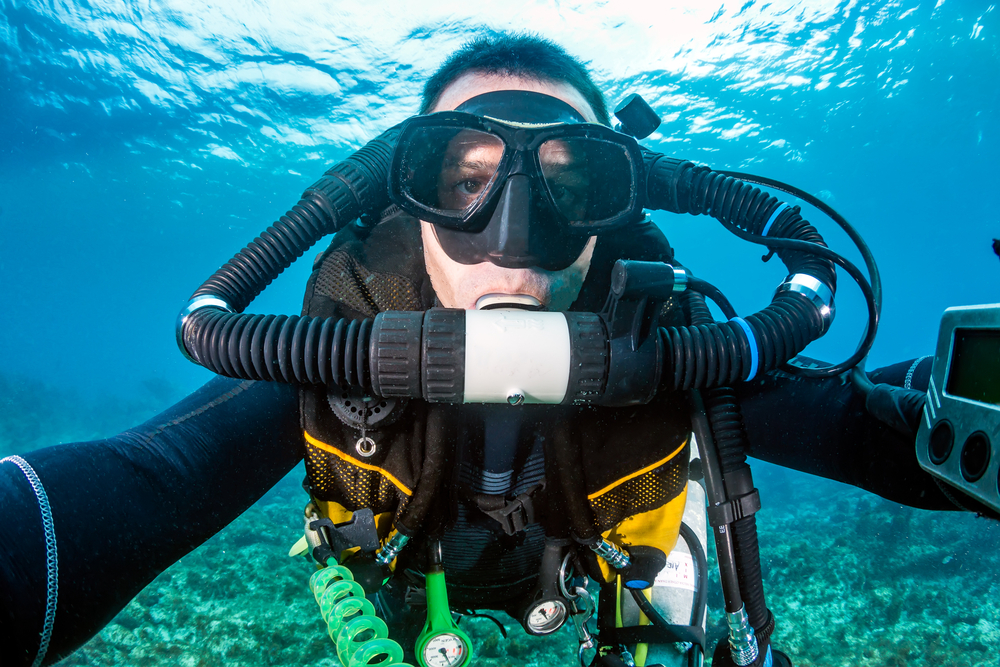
(821, 426)
(125, 508)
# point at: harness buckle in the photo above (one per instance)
(329, 540)
(734, 510)
(514, 515)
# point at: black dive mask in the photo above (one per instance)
(516, 178)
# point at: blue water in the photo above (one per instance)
(143, 143)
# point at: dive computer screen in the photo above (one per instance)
(974, 372)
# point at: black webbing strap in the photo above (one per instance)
(653, 634)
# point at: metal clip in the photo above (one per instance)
(580, 617)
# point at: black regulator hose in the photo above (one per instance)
(438, 451)
(726, 422)
(282, 348)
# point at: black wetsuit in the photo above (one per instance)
(127, 507)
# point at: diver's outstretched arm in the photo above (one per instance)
(821, 426)
(125, 508)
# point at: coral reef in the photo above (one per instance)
(857, 580)
(853, 580)
(240, 601)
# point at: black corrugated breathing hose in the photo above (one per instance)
(290, 348)
(336, 351)
(679, 186)
(720, 354)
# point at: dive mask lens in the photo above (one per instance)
(591, 182)
(446, 171)
(449, 168)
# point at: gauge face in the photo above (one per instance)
(445, 650)
(548, 616)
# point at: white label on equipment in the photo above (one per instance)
(678, 572)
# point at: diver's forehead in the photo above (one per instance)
(472, 84)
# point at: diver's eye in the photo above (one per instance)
(470, 187)
(559, 191)
(567, 194)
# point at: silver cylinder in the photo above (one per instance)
(741, 637)
(391, 549)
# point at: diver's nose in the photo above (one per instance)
(509, 229)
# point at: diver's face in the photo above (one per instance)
(461, 285)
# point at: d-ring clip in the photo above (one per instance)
(365, 446)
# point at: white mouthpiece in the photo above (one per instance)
(522, 301)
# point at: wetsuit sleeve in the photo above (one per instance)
(125, 508)
(821, 426)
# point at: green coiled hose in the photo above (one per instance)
(360, 636)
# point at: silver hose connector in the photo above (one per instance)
(680, 279)
(197, 303)
(742, 641)
(388, 553)
(813, 289)
(616, 557)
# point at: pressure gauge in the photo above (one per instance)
(441, 643)
(546, 617)
(445, 650)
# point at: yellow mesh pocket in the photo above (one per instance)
(641, 491)
(336, 476)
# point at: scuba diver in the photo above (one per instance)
(494, 384)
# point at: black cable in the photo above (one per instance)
(721, 354)
(874, 276)
(649, 610)
(681, 187)
(713, 293)
(867, 290)
(866, 253)
(468, 613)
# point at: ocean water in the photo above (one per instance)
(143, 143)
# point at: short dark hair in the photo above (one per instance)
(519, 55)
